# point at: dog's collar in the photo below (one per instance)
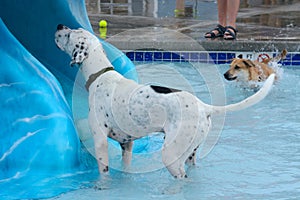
(93, 77)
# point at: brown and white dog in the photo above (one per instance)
(245, 70)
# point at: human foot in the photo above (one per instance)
(216, 32)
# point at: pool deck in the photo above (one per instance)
(260, 29)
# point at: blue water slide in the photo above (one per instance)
(38, 138)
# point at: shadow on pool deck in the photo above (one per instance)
(261, 28)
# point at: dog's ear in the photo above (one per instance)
(248, 63)
(80, 52)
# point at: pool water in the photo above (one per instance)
(255, 153)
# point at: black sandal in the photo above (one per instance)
(231, 32)
(221, 30)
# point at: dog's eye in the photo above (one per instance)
(237, 67)
(59, 35)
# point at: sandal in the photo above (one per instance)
(221, 30)
(230, 33)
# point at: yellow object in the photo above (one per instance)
(102, 23)
(103, 31)
(179, 12)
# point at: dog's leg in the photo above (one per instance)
(173, 160)
(176, 169)
(126, 153)
(192, 158)
(101, 151)
(100, 140)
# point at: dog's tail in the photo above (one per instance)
(279, 57)
(257, 97)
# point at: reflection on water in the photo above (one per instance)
(274, 13)
(278, 19)
(152, 8)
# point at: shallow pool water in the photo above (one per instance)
(257, 151)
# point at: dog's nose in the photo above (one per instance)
(60, 27)
(226, 76)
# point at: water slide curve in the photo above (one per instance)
(38, 139)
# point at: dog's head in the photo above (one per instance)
(239, 69)
(74, 42)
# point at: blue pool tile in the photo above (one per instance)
(148, 56)
(139, 56)
(185, 57)
(130, 55)
(222, 56)
(175, 57)
(295, 57)
(194, 57)
(212, 58)
(166, 56)
(203, 57)
(230, 56)
(158, 56)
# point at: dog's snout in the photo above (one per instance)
(60, 27)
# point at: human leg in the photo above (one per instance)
(232, 11)
(220, 29)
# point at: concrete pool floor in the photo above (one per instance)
(263, 27)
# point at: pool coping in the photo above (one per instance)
(220, 45)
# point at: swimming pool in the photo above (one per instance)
(256, 155)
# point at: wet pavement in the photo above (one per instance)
(263, 25)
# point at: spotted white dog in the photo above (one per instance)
(123, 110)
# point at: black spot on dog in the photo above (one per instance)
(105, 125)
(112, 133)
(105, 169)
(163, 90)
